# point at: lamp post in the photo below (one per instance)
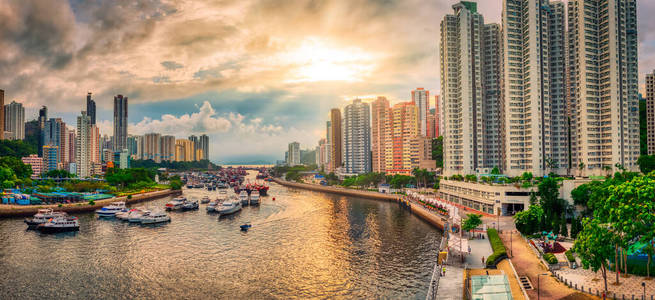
(538, 284)
(511, 248)
(643, 284)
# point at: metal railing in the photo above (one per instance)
(436, 271)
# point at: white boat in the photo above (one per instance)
(155, 217)
(222, 192)
(205, 200)
(138, 215)
(229, 207)
(111, 210)
(59, 224)
(211, 207)
(175, 203)
(254, 198)
(243, 197)
(42, 216)
(190, 204)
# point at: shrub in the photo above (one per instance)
(550, 258)
(497, 246)
(91, 202)
(129, 196)
(569, 255)
(60, 205)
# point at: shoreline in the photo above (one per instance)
(419, 211)
(12, 210)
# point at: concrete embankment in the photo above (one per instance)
(29, 210)
(417, 209)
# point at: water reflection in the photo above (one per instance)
(303, 245)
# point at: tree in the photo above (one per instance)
(58, 174)
(529, 221)
(471, 222)
(17, 166)
(16, 148)
(564, 231)
(437, 151)
(495, 171)
(646, 163)
(594, 245)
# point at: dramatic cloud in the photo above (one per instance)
(278, 66)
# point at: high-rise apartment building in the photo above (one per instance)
(54, 133)
(401, 147)
(152, 147)
(431, 124)
(184, 150)
(650, 112)
(194, 139)
(15, 121)
(328, 146)
(2, 114)
(603, 85)
(356, 126)
(120, 122)
(421, 98)
(43, 116)
(132, 146)
(82, 151)
(71, 142)
(50, 157)
(534, 104)
(203, 144)
(94, 143)
(336, 154)
(380, 112)
(294, 154)
(91, 108)
(321, 153)
(470, 91)
(168, 148)
(438, 120)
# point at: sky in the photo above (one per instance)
(254, 75)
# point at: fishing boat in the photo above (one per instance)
(254, 198)
(229, 207)
(156, 217)
(59, 224)
(205, 200)
(111, 210)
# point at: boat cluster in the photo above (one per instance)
(49, 221)
(119, 211)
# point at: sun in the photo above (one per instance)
(316, 60)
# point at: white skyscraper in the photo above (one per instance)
(294, 154)
(421, 98)
(356, 126)
(82, 151)
(534, 116)
(470, 85)
(603, 85)
(15, 121)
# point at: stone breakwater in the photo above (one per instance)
(415, 208)
(29, 210)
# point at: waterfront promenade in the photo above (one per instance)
(12, 210)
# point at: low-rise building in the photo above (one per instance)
(36, 163)
(503, 199)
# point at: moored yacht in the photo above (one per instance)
(111, 210)
(138, 215)
(42, 216)
(243, 197)
(190, 204)
(205, 200)
(60, 224)
(254, 198)
(175, 203)
(156, 217)
(229, 207)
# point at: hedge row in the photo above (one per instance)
(497, 246)
(550, 258)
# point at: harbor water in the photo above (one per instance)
(302, 245)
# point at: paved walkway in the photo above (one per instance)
(628, 287)
(479, 248)
(451, 286)
(528, 264)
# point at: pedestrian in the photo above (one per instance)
(444, 270)
(469, 249)
(483, 260)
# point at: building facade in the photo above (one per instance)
(91, 108)
(15, 120)
(152, 147)
(83, 151)
(401, 147)
(380, 112)
(36, 163)
(336, 143)
(421, 98)
(650, 112)
(168, 148)
(120, 122)
(184, 150)
(603, 85)
(294, 154)
(470, 71)
(357, 137)
(534, 119)
(50, 158)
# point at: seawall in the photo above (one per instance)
(29, 210)
(416, 209)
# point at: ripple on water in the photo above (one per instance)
(303, 245)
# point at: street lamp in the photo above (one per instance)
(511, 248)
(538, 285)
(643, 284)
